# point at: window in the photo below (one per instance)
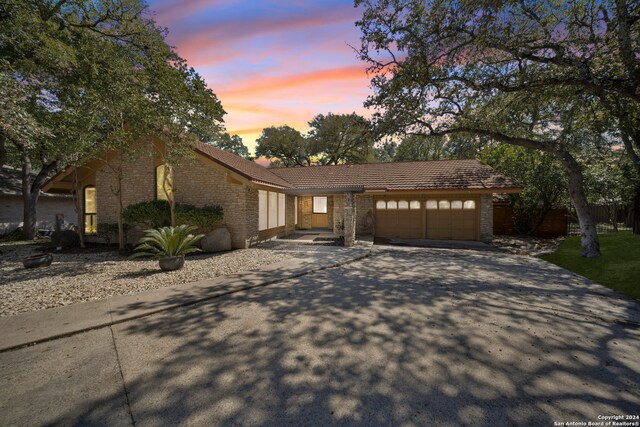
(414, 204)
(432, 204)
(161, 184)
(456, 204)
(295, 210)
(469, 204)
(403, 204)
(263, 213)
(392, 204)
(90, 212)
(444, 204)
(319, 205)
(273, 209)
(381, 204)
(281, 209)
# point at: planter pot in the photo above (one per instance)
(35, 261)
(171, 263)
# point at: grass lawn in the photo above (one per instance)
(618, 268)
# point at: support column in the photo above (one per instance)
(349, 219)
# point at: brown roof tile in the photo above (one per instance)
(397, 176)
(250, 170)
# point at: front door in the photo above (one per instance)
(320, 217)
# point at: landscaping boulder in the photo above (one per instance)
(65, 239)
(217, 240)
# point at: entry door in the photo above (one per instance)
(320, 217)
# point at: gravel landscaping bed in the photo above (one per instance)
(527, 245)
(79, 277)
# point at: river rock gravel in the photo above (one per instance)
(79, 277)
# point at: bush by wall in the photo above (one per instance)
(157, 213)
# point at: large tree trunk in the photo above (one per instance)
(588, 233)
(30, 192)
(29, 201)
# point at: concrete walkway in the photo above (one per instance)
(404, 336)
(43, 325)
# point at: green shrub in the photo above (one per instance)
(157, 214)
(167, 242)
(204, 218)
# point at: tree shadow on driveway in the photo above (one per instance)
(421, 337)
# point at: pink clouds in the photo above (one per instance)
(271, 62)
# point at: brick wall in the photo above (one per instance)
(138, 185)
(486, 218)
(197, 181)
(290, 219)
(201, 182)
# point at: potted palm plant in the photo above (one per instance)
(169, 245)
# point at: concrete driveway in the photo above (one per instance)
(403, 337)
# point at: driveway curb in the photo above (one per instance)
(36, 327)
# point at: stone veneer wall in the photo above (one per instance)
(338, 212)
(364, 215)
(486, 218)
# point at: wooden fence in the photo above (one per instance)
(554, 224)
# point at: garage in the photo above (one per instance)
(400, 218)
(440, 218)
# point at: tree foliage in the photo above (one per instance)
(284, 143)
(341, 138)
(84, 78)
(540, 174)
(232, 144)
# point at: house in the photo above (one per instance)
(11, 204)
(448, 199)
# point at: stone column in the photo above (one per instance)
(349, 219)
(486, 218)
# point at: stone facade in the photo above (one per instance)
(364, 215)
(486, 218)
(349, 219)
(338, 214)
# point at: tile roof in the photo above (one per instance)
(397, 176)
(250, 170)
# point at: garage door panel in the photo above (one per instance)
(455, 220)
(393, 222)
(448, 217)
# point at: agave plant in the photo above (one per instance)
(168, 242)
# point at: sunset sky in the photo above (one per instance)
(270, 62)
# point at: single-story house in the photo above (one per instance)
(447, 199)
(12, 206)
